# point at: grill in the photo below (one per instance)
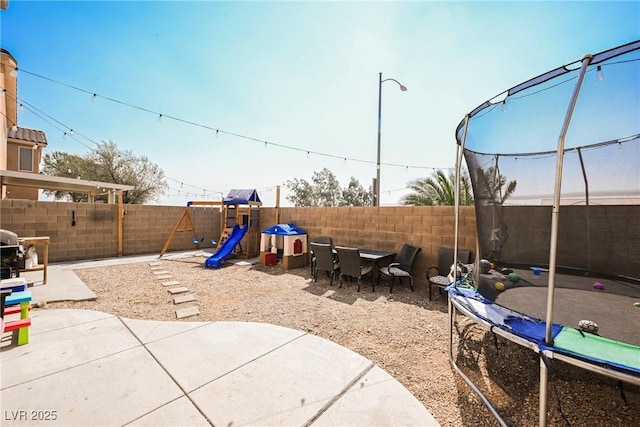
(11, 254)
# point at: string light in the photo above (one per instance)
(504, 106)
(93, 98)
(218, 131)
(599, 74)
(21, 107)
(14, 72)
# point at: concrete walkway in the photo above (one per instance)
(87, 368)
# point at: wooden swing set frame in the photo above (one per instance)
(185, 223)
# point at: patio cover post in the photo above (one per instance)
(120, 222)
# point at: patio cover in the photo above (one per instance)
(92, 188)
(48, 182)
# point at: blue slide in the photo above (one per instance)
(215, 260)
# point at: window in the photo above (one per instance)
(25, 159)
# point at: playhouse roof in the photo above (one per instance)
(284, 230)
(242, 197)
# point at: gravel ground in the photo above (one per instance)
(404, 333)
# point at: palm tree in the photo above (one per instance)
(493, 184)
(439, 190)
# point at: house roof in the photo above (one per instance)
(26, 134)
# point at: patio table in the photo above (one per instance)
(377, 257)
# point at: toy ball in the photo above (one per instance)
(537, 271)
(499, 286)
(588, 326)
(636, 304)
(514, 277)
(598, 286)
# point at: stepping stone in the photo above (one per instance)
(174, 291)
(155, 263)
(187, 312)
(157, 267)
(184, 298)
(171, 283)
(157, 272)
(164, 277)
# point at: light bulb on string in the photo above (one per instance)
(35, 146)
(345, 161)
(93, 98)
(217, 133)
(308, 154)
(14, 72)
(599, 74)
(504, 106)
(70, 132)
(64, 135)
(21, 107)
(265, 145)
(14, 128)
(160, 118)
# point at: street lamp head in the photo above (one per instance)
(403, 88)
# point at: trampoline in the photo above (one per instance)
(554, 164)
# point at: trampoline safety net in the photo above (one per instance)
(511, 146)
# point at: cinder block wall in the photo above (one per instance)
(385, 228)
(146, 228)
(80, 231)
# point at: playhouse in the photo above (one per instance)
(286, 242)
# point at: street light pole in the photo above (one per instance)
(376, 190)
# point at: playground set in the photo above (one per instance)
(240, 213)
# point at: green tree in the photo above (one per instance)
(324, 190)
(108, 164)
(354, 194)
(439, 189)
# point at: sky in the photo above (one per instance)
(290, 87)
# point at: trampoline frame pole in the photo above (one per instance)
(553, 247)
